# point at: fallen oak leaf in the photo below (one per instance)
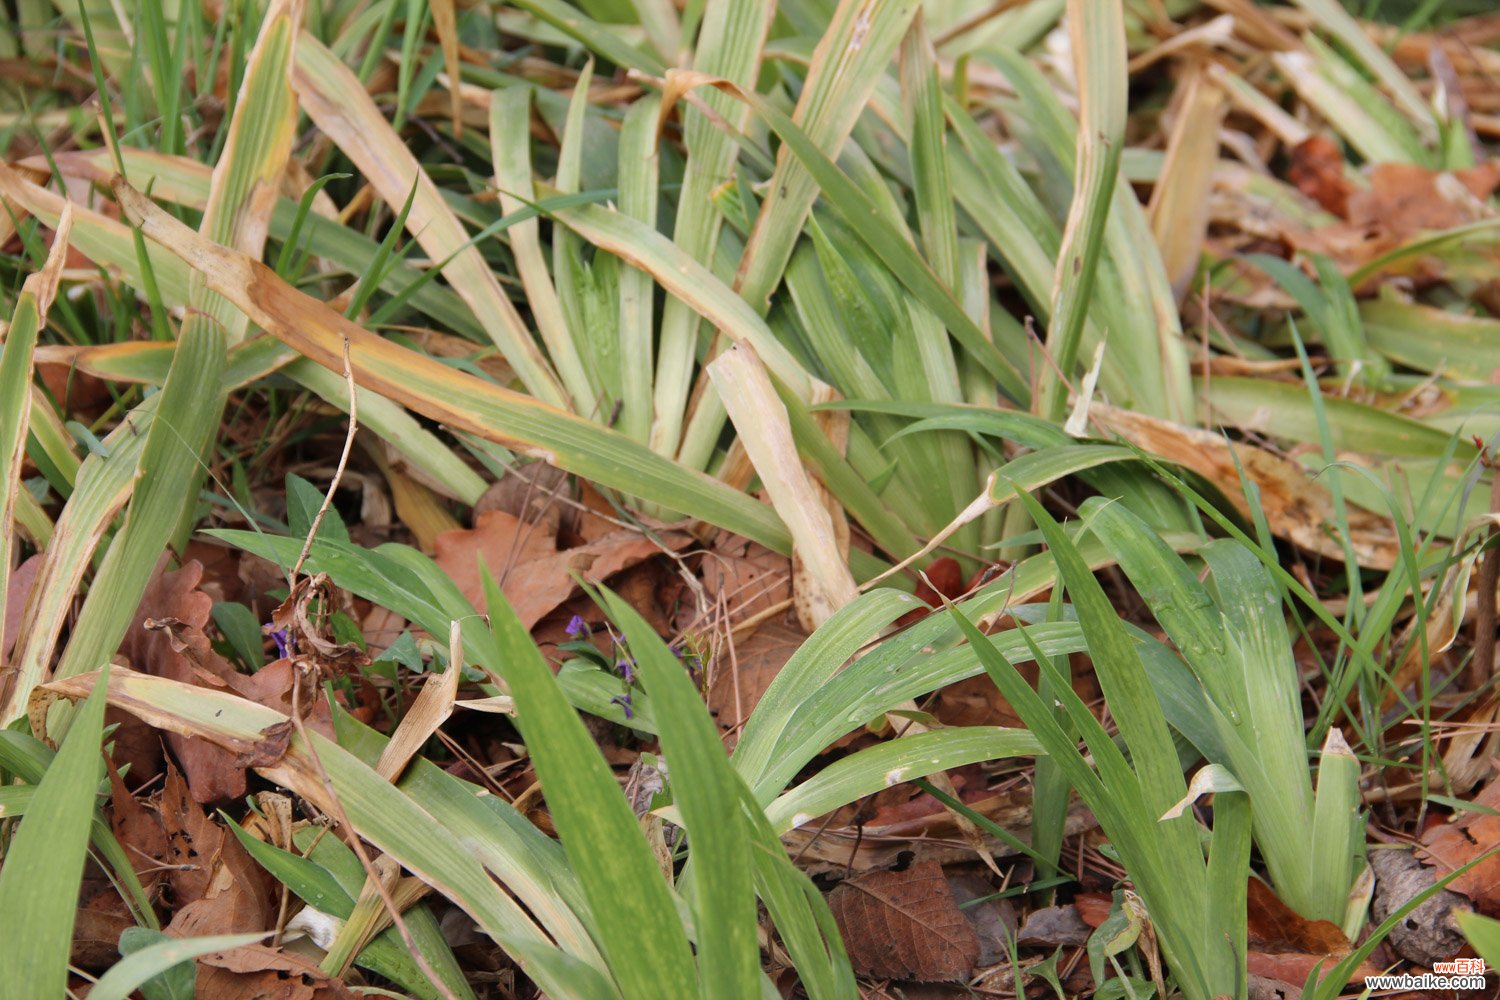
(1404, 199)
(737, 683)
(1274, 926)
(263, 973)
(216, 887)
(1285, 946)
(534, 574)
(17, 592)
(1470, 835)
(905, 925)
(1317, 170)
(748, 577)
(167, 640)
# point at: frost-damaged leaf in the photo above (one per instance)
(241, 195)
(1295, 506)
(26, 322)
(905, 925)
(97, 237)
(1096, 34)
(761, 420)
(461, 401)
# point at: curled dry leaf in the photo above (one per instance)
(216, 888)
(266, 974)
(1294, 504)
(905, 925)
(308, 630)
(166, 639)
(1286, 947)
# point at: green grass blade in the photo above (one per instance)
(598, 38)
(892, 762)
(1338, 22)
(633, 915)
(395, 822)
(813, 664)
(128, 974)
(639, 182)
(510, 146)
(104, 483)
(708, 793)
(332, 97)
(686, 279)
(44, 864)
(891, 245)
(1338, 840)
(1097, 35)
(729, 47)
(800, 913)
(851, 57)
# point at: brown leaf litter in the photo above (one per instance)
(905, 925)
(526, 562)
(166, 639)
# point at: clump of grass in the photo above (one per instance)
(876, 259)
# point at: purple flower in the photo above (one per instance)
(578, 629)
(626, 669)
(689, 657)
(623, 700)
(284, 643)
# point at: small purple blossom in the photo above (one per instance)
(284, 643)
(626, 669)
(578, 629)
(623, 700)
(689, 657)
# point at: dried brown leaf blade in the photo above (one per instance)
(460, 401)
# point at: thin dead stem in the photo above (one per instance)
(338, 473)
